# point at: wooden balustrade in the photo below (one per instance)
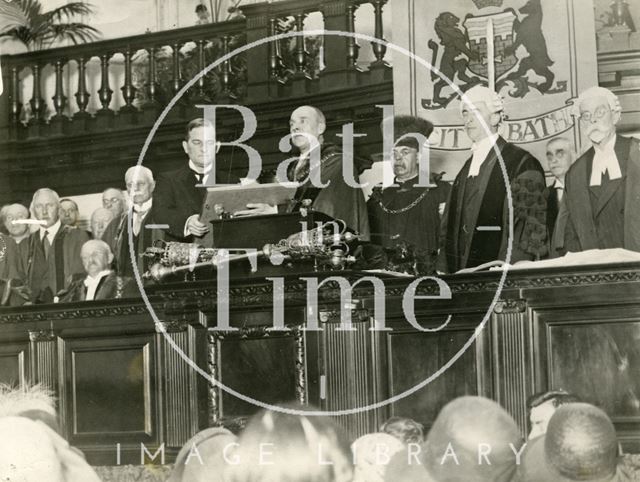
(148, 76)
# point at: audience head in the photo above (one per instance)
(31, 401)
(27, 454)
(96, 256)
(580, 445)
(410, 135)
(541, 407)
(482, 103)
(69, 212)
(290, 448)
(469, 426)
(310, 121)
(559, 156)
(599, 111)
(45, 206)
(203, 458)
(113, 200)
(371, 455)
(11, 213)
(100, 219)
(404, 429)
(140, 184)
(200, 143)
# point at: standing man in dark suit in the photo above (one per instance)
(177, 200)
(476, 219)
(140, 186)
(51, 255)
(559, 158)
(602, 190)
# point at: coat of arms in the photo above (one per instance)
(461, 53)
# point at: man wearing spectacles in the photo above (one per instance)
(113, 200)
(177, 198)
(602, 188)
(405, 212)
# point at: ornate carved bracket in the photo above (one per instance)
(503, 307)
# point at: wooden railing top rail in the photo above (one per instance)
(292, 7)
(137, 42)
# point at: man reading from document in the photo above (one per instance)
(179, 194)
(476, 220)
(338, 200)
(602, 188)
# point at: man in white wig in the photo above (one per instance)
(476, 220)
(602, 188)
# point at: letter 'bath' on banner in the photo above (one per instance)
(545, 55)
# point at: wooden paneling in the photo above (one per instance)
(14, 360)
(414, 357)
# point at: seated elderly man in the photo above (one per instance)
(11, 213)
(51, 255)
(113, 200)
(100, 282)
(100, 219)
(602, 188)
(140, 186)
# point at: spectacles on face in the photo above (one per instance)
(210, 144)
(598, 114)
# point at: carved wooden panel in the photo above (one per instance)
(14, 363)
(594, 353)
(413, 357)
(349, 376)
(266, 366)
(109, 390)
(512, 358)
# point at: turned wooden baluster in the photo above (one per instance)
(128, 90)
(177, 79)
(152, 84)
(225, 71)
(352, 45)
(301, 53)
(201, 65)
(274, 47)
(82, 96)
(37, 106)
(105, 93)
(379, 50)
(59, 99)
(16, 105)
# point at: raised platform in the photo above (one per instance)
(120, 380)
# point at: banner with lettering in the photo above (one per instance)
(544, 55)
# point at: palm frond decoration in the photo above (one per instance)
(28, 23)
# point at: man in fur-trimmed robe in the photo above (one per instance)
(476, 220)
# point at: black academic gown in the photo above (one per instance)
(176, 198)
(606, 216)
(117, 237)
(482, 202)
(338, 199)
(110, 287)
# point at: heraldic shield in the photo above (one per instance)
(504, 39)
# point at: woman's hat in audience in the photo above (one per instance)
(580, 445)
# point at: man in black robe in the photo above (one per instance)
(602, 190)
(476, 219)
(406, 213)
(338, 199)
(179, 194)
